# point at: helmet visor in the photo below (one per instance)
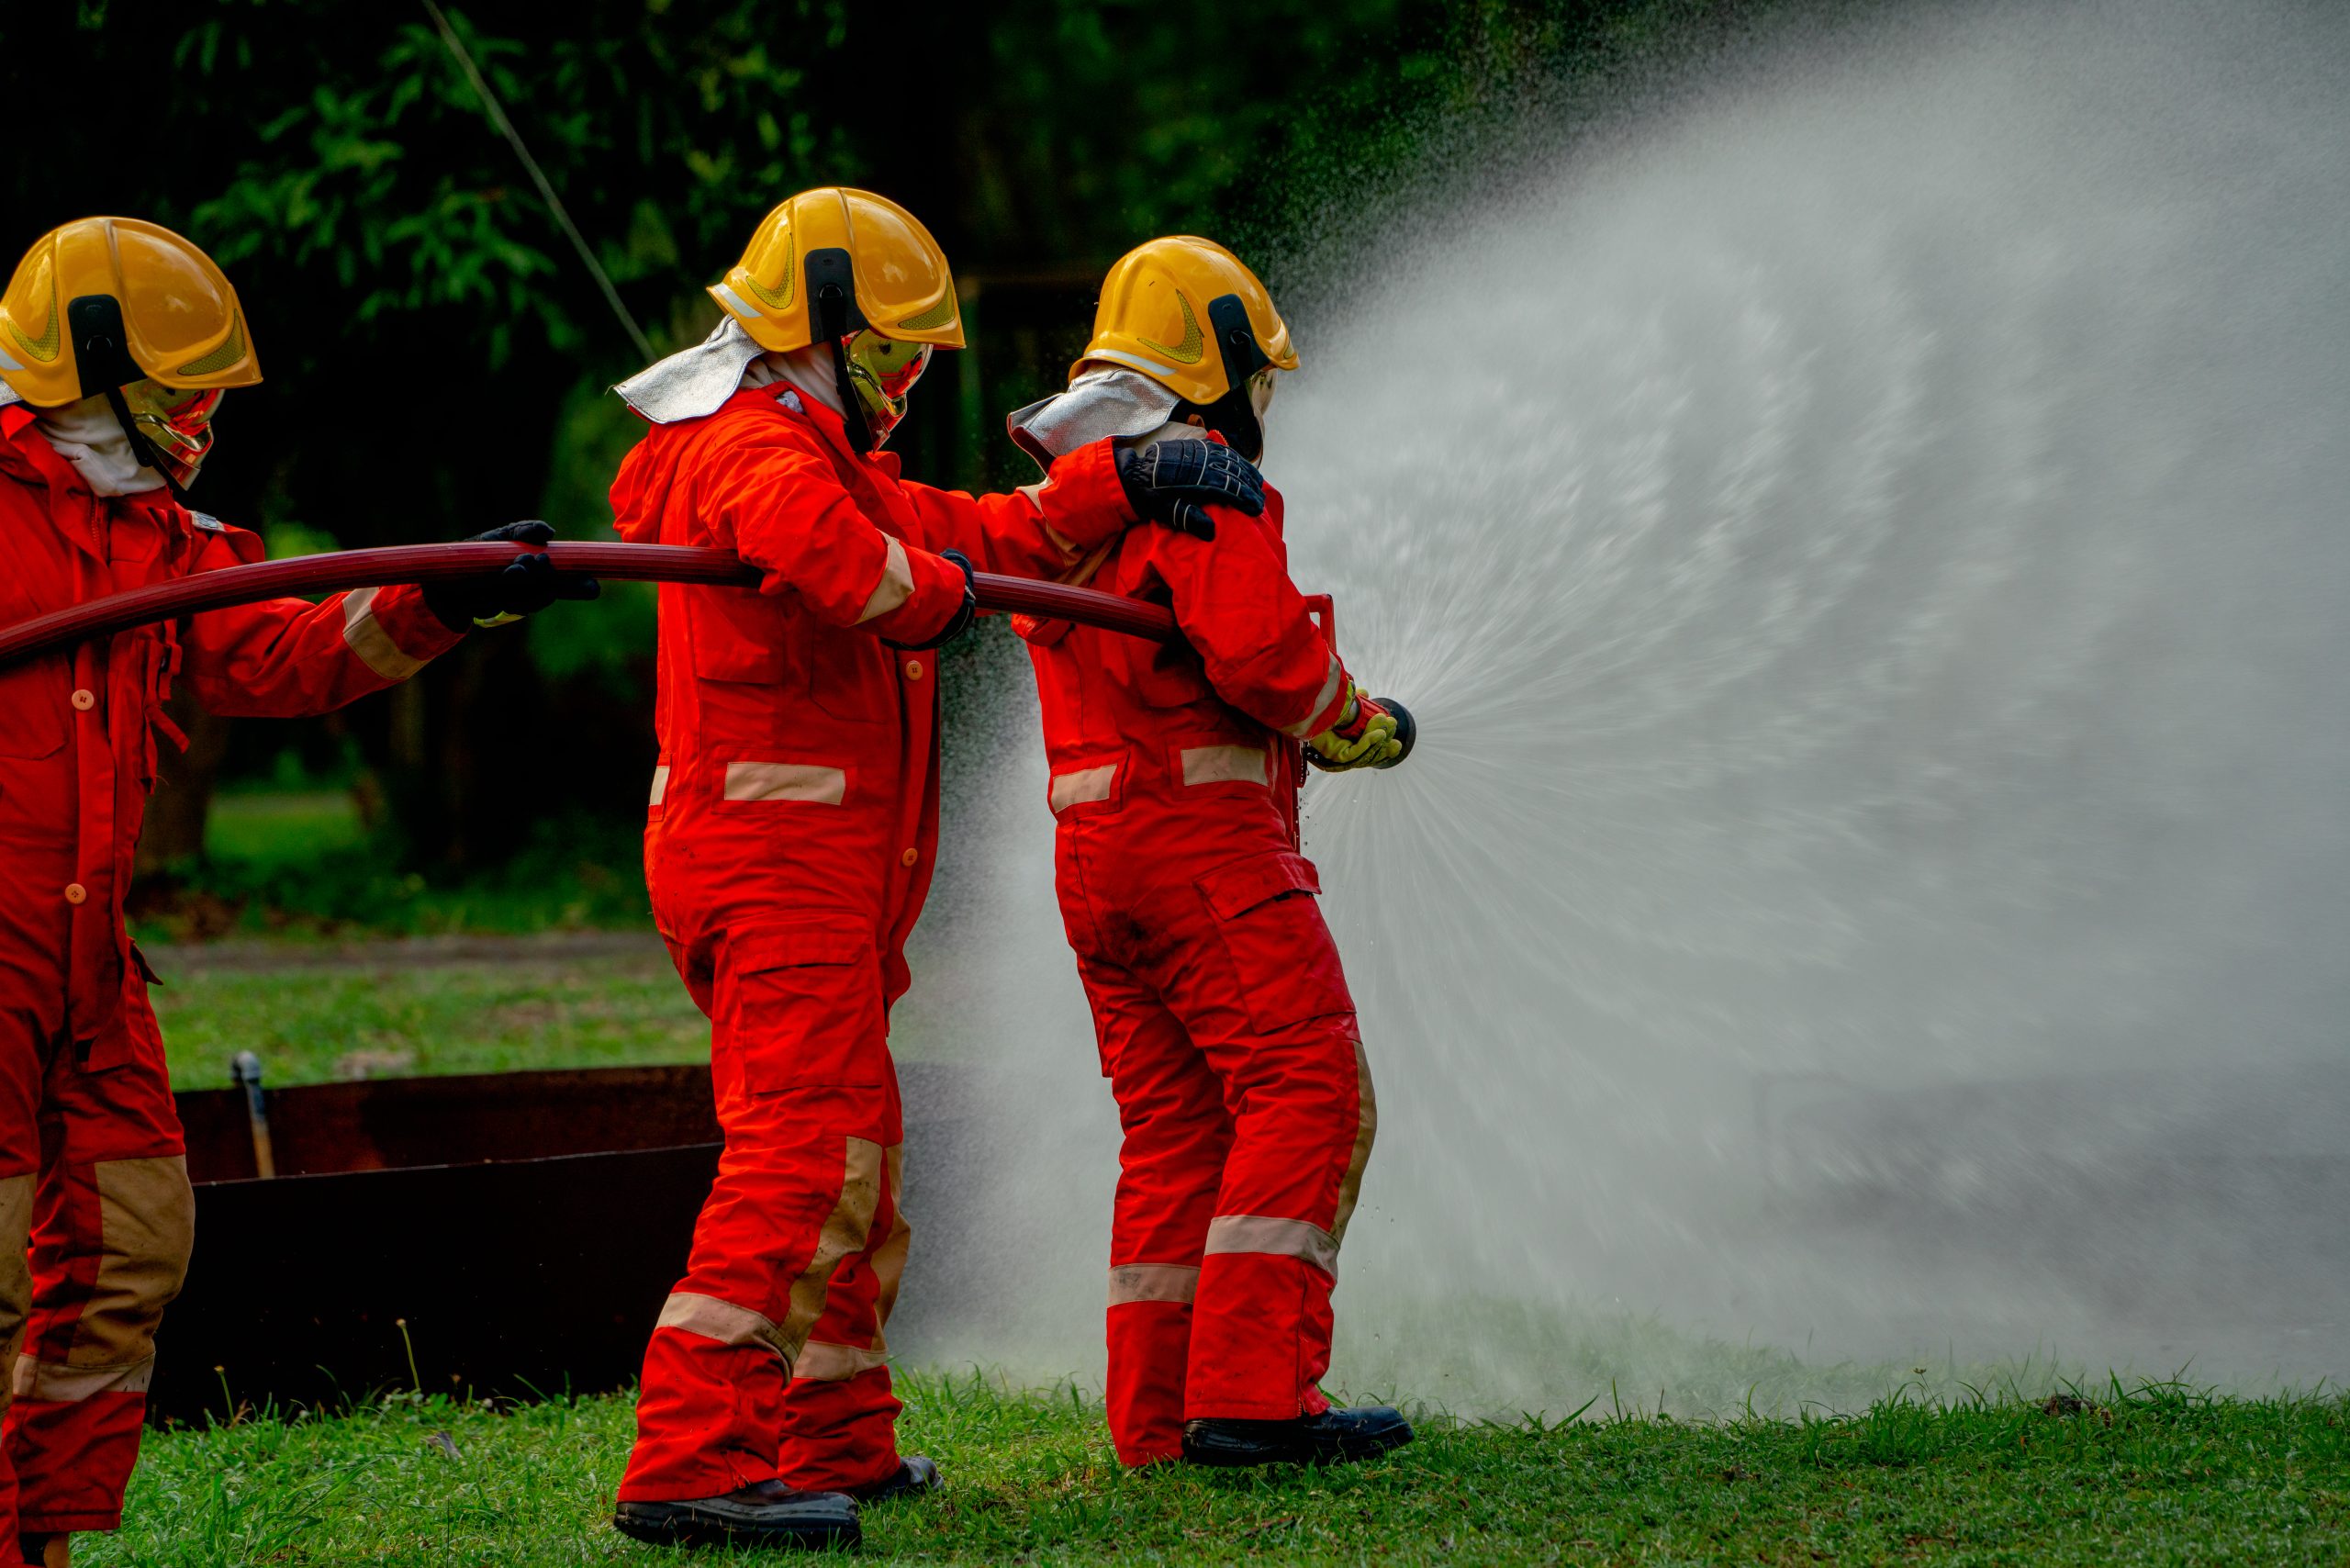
(883, 371)
(176, 423)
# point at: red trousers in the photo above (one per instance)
(769, 1357)
(1229, 1040)
(94, 1176)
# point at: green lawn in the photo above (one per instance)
(378, 1014)
(2160, 1475)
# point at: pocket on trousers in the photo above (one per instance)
(134, 1035)
(1272, 930)
(801, 1005)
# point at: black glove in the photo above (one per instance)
(961, 620)
(1172, 483)
(524, 586)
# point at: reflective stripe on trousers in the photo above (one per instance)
(1153, 1281)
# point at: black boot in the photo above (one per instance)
(914, 1475)
(1334, 1437)
(769, 1514)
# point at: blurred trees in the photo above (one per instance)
(436, 355)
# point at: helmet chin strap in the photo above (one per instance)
(860, 433)
(140, 447)
(833, 307)
(95, 321)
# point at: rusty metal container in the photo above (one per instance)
(509, 1234)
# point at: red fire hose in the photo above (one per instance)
(428, 563)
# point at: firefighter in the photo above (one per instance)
(791, 832)
(117, 340)
(1222, 1015)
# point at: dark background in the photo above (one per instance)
(436, 354)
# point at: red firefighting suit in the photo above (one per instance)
(1225, 1028)
(787, 850)
(90, 1157)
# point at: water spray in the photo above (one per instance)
(1876, 542)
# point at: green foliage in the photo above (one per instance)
(284, 826)
(436, 355)
(2147, 1475)
(294, 865)
(283, 537)
(614, 642)
(368, 161)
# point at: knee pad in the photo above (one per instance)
(147, 1231)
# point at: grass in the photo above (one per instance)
(2158, 1475)
(377, 1016)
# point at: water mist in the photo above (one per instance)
(1866, 547)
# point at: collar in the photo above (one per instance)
(27, 456)
(90, 436)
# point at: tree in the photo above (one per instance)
(436, 355)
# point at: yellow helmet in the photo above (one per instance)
(1188, 313)
(862, 259)
(103, 302)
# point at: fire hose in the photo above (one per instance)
(433, 562)
(631, 563)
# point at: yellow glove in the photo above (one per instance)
(1364, 736)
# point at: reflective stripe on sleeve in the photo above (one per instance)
(1331, 686)
(1279, 1237)
(367, 637)
(1153, 1281)
(786, 782)
(722, 1321)
(823, 1362)
(64, 1385)
(1084, 785)
(1224, 765)
(660, 785)
(896, 587)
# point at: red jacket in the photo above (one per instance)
(1128, 722)
(798, 752)
(78, 726)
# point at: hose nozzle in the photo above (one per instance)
(1406, 731)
